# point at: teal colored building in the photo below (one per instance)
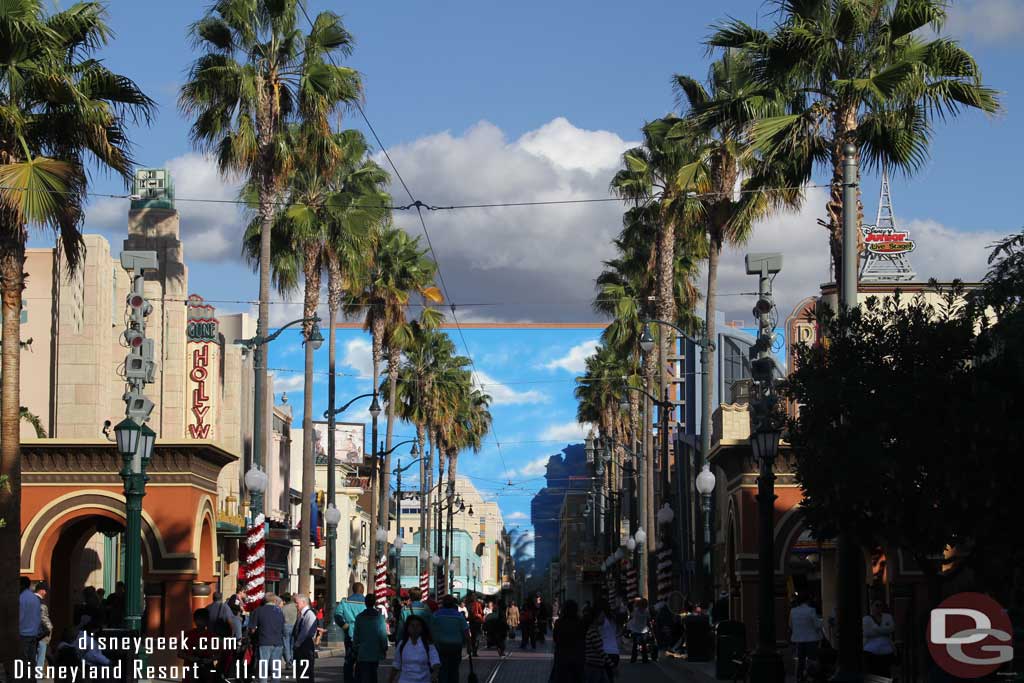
(467, 564)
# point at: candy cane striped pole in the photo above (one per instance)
(255, 563)
(380, 586)
(663, 557)
(425, 584)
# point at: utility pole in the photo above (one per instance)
(135, 440)
(849, 569)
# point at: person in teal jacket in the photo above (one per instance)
(345, 614)
(417, 607)
(371, 641)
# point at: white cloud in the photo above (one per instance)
(575, 359)
(210, 231)
(534, 468)
(987, 21)
(292, 381)
(566, 431)
(359, 356)
(502, 394)
(516, 516)
(941, 252)
(539, 262)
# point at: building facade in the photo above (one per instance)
(71, 380)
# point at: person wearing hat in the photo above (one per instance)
(416, 658)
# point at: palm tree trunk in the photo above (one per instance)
(442, 574)
(312, 268)
(845, 121)
(12, 282)
(377, 334)
(424, 472)
(385, 485)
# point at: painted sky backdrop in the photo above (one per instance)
(505, 102)
(528, 372)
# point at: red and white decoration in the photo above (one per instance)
(255, 563)
(380, 585)
(663, 558)
(632, 591)
(425, 584)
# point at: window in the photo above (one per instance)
(408, 566)
(735, 367)
(458, 565)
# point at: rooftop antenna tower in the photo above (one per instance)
(885, 249)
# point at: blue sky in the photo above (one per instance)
(483, 102)
(529, 373)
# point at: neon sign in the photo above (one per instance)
(200, 428)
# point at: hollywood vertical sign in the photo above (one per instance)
(202, 332)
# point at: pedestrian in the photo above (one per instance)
(476, 622)
(596, 663)
(30, 623)
(496, 628)
(303, 639)
(370, 640)
(291, 615)
(512, 618)
(570, 646)
(639, 627)
(218, 609)
(345, 613)
(267, 629)
(46, 630)
(543, 616)
(528, 626)
(194, 648)
(450, 633)
(235, 621)
(879, 650)
(416, 657)
(416, 607)
(609, 639)
(804, 633)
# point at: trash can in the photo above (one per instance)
(698, 638)
(730, 644)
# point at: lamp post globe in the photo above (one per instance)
(315, 338)
(640, 536)
(127, 434)
(706, 481)
(647, 340)
(332, 516)
(589, 446)
(375, 407)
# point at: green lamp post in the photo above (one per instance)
(135, 443)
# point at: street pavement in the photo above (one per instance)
(534, 666)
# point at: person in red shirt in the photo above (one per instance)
(476, 622)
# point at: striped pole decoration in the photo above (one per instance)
(255, 563)
(632, 591)
(425, 584)
(380, 586)
(663, 558)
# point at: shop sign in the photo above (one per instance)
(202, 326)
(199, 425)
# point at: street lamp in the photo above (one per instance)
(332, 516)
(765, 445)
(315, 339)
(647, 339)
(256, 485)
(414, 452)
(705, 487)
(135, 443)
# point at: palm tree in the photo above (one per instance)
(399, 269)
(61, 108)
(258, 77)
(865, 72)
(716, 130)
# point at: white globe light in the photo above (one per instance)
(665, 514)
(619, 554)
(425, 555)
(436, 560)
(332, 515)
(382, 534)
(631, 544)
(256, 480)
(640, 536)
(705, 481)
(399, 543)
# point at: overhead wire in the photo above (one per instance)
(419, 212)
